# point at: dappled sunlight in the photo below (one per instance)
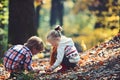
(95, 37)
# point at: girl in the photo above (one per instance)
(64, 53)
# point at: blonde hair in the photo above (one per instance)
(55, 33)
(35, 42)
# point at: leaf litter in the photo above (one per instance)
(102, 62)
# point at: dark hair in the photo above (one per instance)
(55, 33)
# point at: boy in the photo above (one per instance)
(19, 57)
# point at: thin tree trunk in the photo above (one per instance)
(57, 12)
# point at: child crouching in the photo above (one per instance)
(19, 57)
(65, 52)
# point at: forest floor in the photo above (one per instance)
(102, 62)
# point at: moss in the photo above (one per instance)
(3, 41)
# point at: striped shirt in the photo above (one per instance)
(72, 54)
(66, 47)
(18, 58)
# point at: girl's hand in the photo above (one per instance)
(49, 70)
(36, 71)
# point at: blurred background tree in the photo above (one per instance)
(38, 5)
(21, 21)
(57, 12)
(106, 11)
(102, 15)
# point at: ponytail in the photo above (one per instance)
(58, 28)
(55, 33)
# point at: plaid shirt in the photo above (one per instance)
(18, 58)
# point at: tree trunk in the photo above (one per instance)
(21, 21)
(57, 12)
(37, 16)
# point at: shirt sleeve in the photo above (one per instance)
(60, 55)
(27, 63)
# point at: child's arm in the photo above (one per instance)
(27, 63)
(60, 55)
